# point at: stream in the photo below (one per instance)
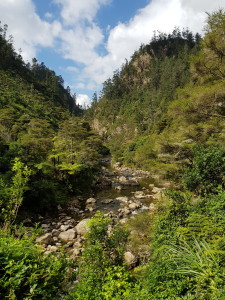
(120, 193)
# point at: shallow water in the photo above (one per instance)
(127, 191)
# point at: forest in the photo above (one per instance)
(162, 112)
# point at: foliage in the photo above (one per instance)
(12, 196)
(207, 170)
(102, 274)
(38, 125)
(26, 274)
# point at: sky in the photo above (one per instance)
(85, 41)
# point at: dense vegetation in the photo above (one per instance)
(164, 112)
(40, 126)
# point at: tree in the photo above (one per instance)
(13, 194)
(209, 63)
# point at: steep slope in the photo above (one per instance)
(40, 125)
(169, 97)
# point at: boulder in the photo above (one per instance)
(133, 206)
(44, 239)
(52, 248)
(122, 179)
(64, 227)
(45, 227)
(67, 236)
(156, 190)
(90, 207)
(130, 259)
(82, 227)
(152, 207)
(139, 195)
(122, 199)
(107, 201)
(90, 200)
(55, 233)
(118, 187)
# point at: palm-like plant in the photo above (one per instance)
(201, 264)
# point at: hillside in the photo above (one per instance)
(39, 119)
(162, 102)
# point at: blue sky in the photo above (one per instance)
(86, 40)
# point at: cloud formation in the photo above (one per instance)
(75, 11)
(83, 100)
(27, 28)
(158, 15)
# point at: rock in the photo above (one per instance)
(118, 187)
(130, 259)
(75, 252)
(117, 165)
(52, 248)
(122, 179)
(82, 227)
(45, 226)
(74, 203)
(90, 200)
(122, 199)
(140, 195)
(151, 185)
(188, 141)
(132, 182)
(55, 232)
(67, 236)
(124, 212)
(133, 206)
(157, 196)
(59, 207)
(156, 190)
(44, 239)
(152, 207)
(123, 221)
(64, 227)
(90, 207)
(107, 201)
(78, 244)
(167, 184)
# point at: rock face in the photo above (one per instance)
(82, 227)
(68, 235)
(44, 239)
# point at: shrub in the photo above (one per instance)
(207, 171)
(27, 274)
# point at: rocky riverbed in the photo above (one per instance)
(120, 193)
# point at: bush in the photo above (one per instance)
(207, 171)
(101, 273)
(26, 274)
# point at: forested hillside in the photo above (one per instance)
(167, 98)
(40, 125)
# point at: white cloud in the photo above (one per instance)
(79, 43)
(74, 11)
(83, 99)
(158, 15)
(27, 28)
(48, 15)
